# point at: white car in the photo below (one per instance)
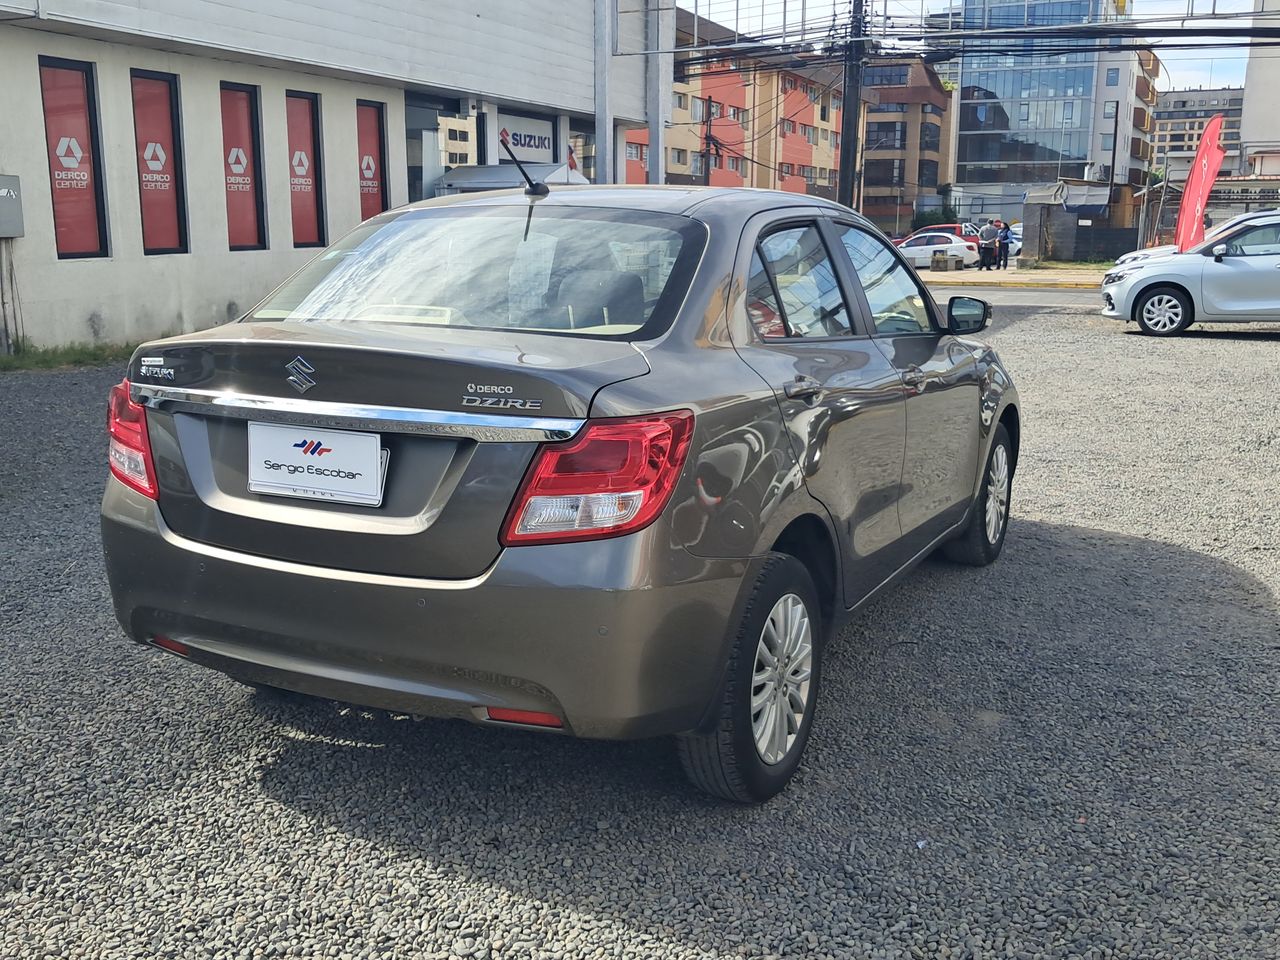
(919, 249)
(1212, 233)
(1232, 278)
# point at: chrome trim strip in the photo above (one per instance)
(485, 428)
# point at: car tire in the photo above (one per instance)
(1164, 312)
(983, 537)
(728, 761)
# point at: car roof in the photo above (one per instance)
(682, 200)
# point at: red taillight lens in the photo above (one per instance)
(532, 718)
(613, 479)
(972, 246)
(129, 452)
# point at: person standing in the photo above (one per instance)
(1004, 240)
(987, 245)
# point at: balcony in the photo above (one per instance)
(1139, 149)
(1150, 64)
(1142, 119)
(1146, 91)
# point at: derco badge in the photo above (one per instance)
(155, 367)
(496, 395)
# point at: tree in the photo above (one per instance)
(927, 218)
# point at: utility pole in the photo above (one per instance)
(706, 144)
(851, 116)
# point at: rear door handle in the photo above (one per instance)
(913, 376)
(803, 388)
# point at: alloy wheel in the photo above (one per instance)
(780, 680)
(1162, 313)
(997, 493)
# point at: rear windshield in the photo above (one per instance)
(577, 271)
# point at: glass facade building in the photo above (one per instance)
(1026, 118)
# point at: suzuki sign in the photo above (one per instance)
(530, 139)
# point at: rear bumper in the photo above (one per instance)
(620, 638)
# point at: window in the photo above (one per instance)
(823, 134)
(1261, 241)
(788, 126)
(930, 108)
(1109, 109)
(717, 162)
(697, 164)
(679, 157)
(889, 76)
(735, 164)
(633, 151)
(1113, 77)
(75, 167)
(457, 158)
(896, 300)
(930, 136)
(1068, 111)
(1024, 112)
(744, 115)
(306, 188)
(797, 262)
(574, 272)
(242, 165)
(788, 83)
(886, 135)
(927, 173)
(698, 110)
(786, 169)
(158, 150)
(887, 108)
(372, 151)
(680, 101)
(809, 133)
(836, 102)
(882, 173)
(716, 109)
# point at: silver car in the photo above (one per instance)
(1232, 278)
(607, 463)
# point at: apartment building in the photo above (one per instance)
(741, 121)
(907, 150)
(1179, 121)
(1260, 118)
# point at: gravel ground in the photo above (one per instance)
(1070, 754)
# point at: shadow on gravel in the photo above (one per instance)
(1090, 719)
(1248, 332)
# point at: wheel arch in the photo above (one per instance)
(1011, 420)
(808, 539)
(1157, 285)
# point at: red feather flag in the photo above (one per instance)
(1195, 196)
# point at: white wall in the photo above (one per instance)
(539, 53)
(127, 295)
(1259, 119)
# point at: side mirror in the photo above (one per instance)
(1219, 252)
(967, 315)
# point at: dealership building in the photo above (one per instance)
(164, 163)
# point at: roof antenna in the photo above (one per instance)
(535, 188)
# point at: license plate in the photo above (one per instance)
(334, 465)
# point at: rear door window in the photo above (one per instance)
(804, 282)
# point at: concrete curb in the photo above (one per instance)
(1017, 284)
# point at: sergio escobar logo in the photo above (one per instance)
(313, 470)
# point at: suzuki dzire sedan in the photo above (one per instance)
(612, 462)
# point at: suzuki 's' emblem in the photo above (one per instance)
(298, 370)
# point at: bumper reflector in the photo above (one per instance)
(173, 646)
(529, 717)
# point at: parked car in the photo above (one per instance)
(607, 463)
(961, 230)
(1231, 278)
(1220, 230)
(919, 248)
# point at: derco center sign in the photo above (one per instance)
(530, 138)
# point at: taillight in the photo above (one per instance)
(613, 479)
(129, 452)
(972, 246)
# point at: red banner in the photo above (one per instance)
(157, 157)
(369, 139)
(70, 142)
(304, 170)
(244, 229)
(1195, 196)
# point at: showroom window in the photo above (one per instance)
(158, 153)
(242, 167)
(306, 180)
(75, 166)
(372, 158)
